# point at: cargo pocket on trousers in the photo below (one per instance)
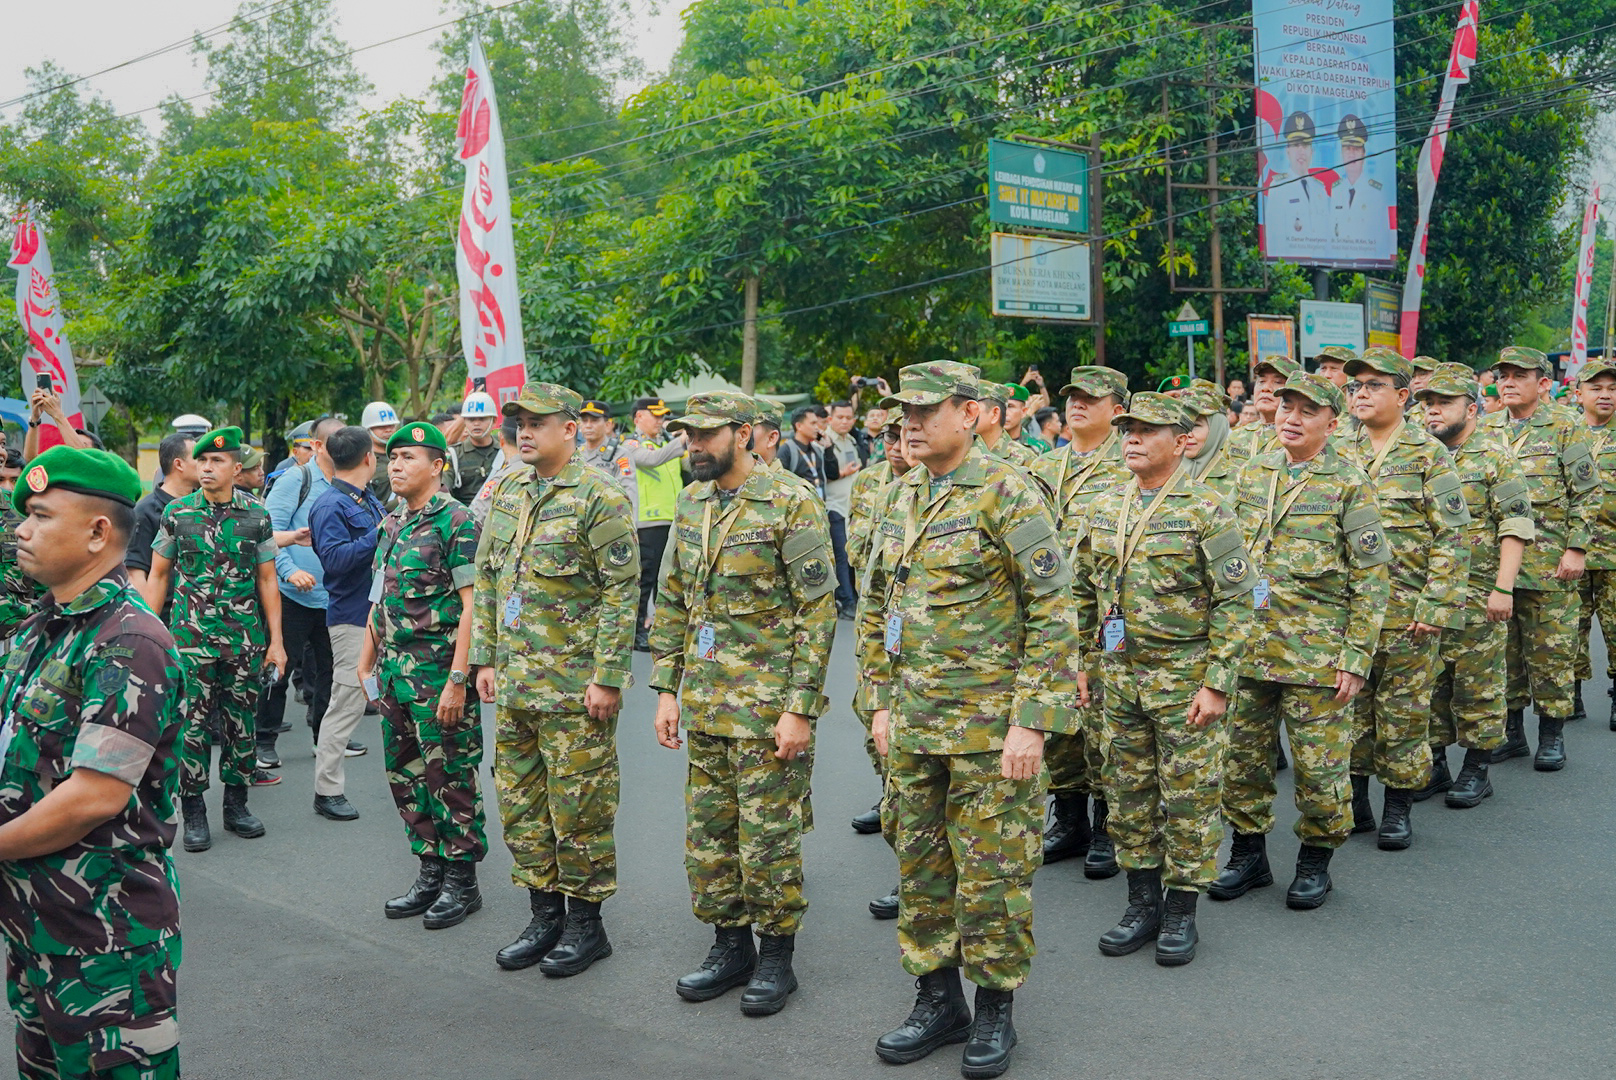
(1012, 832)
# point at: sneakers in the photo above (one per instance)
(356, 749)
(263, 778)
(268, 758)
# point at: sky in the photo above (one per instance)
(85, 36)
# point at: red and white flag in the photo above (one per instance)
(39, 309)
(1585, 281)
(1460, 59)
(485, 253)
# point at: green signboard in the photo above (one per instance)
(1189, 328)
(1038, 186)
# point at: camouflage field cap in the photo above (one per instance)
(221, 440)
(1381, 359)
(1150, 407)
(1595, 367)
(542, 399)
(988, 390)
(769, 412)
(1424, 363)
(1278, 363)
(1315, 388)
(1524, 357)
(1097, 381)
(716, 410)
(418, 434)
(88, 472)
(1449, 380)
(1339, 353)
(928, 384)
(1203, 402)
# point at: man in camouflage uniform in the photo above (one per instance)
(970, 657)
(991, 430)
(1269, 378)
(1423, 512)
(1160, 573)
(1596, 391)
(1556, 455)
(217, 547)
(1332, 363)
(1467, 705)
(420, 625)
(1422, 367)
(92, 696)
(555, 595)
(1310, 520)
(1076, 473)
(19, 593)
(740, 645)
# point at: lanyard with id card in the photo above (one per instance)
(511, 616)
(706, 631)
(913, 530)
(1113, 625)
(1263, 590)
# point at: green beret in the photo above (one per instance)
(225, 439)
(1173, 382)
(418, 434)
(1018, 392)
(88, 472)
(1154, 408)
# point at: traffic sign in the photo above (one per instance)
(1188, 328)
(94, 405)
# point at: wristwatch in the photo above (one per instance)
(458, 678)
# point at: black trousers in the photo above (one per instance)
(304, 634)
(653, 538)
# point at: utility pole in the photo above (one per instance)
(1610, 308)
(1216, 248)
(749, 337)
(1096, 250)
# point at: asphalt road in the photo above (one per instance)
(1484, 950)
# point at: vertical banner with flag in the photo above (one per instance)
(1585, 282)
(39, 309)
(485, 253)
(1460, 59)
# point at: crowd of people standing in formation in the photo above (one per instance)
(1123, 625)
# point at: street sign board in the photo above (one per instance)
(1036, 277)
(1383, 307)
(1327, 323)
(1188, 328)
(1038, 186)
(94, 405)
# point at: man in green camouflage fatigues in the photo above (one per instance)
(1269, 377)
(1423, 511)
(92, 696)
(872, 489)
(990, 428)
(1310, 520)
(1467, 703)
(1076, 473)
(1596, 388)
(19, 593)
(1159, 577)
(1556, 455)
(740, 641)
(555, 600)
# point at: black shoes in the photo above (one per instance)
(1142, 918)
(458, 898)
(1101, 861)
(583, 941)
(543, 931)
(1396, 826)
(993, 1035)
(1247, 868)
(642, 640)
(729, 964)
(772, 980)
(268, 758)
(1611, 693)
(1514, 737)
(197, 837)
(1067, 833)
(885, 907)
(1312, 884)
(1175, 944)
(1363, 815)
(1281, 763)
(868, 822)
(1440, 779)
(1472, 785)
(335, 807)
(1578, 710)
(237, 818)
(420, 895)
(940, 1017)
(1551, 755)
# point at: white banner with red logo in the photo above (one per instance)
(485, 252)
(1584, 285)
(1460, 59)
(39, 309)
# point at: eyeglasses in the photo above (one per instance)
(1373, 386)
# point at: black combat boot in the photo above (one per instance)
(1246, 869)
(772, 980)
(1142, 918)
(869, 822)
(1514, 737)
(1472, 785)
(237, 818)
(1611, 693)
(1067, 832)
(1312, 884)
(197, 837)
(940, 1017)
(420, 895)
(583, 941)
(1363, 814)
(1281, 763)
(1440, 779)
(1551, 755)
(1578, 710)
(993, 1035)
(1101, 861)
(729, 964)
(1175, 944)
(543, 931)
(1397, 825)
(886, 907)
(458, 898)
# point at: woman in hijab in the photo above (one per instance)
(1204, 450)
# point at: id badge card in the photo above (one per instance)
(373, 688)
(1113, 633)
(894, 634)
(376, 589)
(706, 642)
(1259, 594)
(513, 611)
(6, 732)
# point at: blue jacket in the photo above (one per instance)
(285, 515)
(344, 525)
